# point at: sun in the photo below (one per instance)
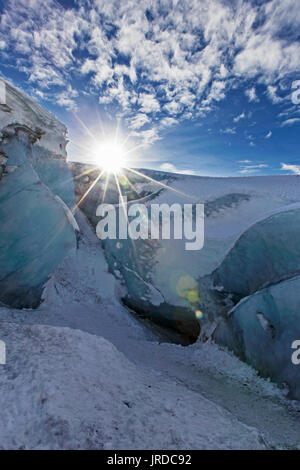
(110, 157)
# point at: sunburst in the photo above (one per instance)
(112, 156)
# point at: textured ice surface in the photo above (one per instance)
(262, 328)
(266, 253)
(161, 277)
(35, 231)
(19, 110)
(83, 373)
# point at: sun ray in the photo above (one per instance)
(77, 145)
(85, 127)
(80, 175)
(126, 216)
(126, 138)
(133, 149)
(100, 123)
(121, 196)
(83, 173)
(88, 191)
(105, 187)
(85, 150)
(161, 184)
(130, 183)
(117, 131)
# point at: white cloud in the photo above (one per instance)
(66, 98)
(252, 168)
(290, 122)
(148, 103)
(264, 51)
(291, 168)
(251, 93)
(239, 117)
(169, 167)
(148, 137)
(173, 107)
(167, 122)
(229, 130)
(217, 92)
(272, 94)
(139, 121)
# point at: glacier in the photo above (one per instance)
(35, 232)
(115, 347)
(83, 373)
(251, 232)
(262, 328)
(264, 254)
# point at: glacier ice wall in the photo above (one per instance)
(35, 233)
(262, 271)
(262, 328)
(264, 254)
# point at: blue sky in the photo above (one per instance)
(201, 86)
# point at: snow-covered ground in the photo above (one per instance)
(81, 372)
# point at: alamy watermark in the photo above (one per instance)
(296, 92)
(296, 353)
(2, 353)
(2, 92)
(156, 221)
(296, 344)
